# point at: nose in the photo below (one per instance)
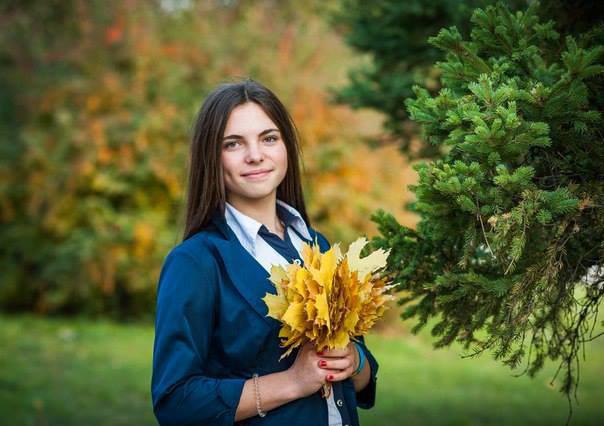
(254, 153)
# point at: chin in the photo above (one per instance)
(255, 195)
(253, 191)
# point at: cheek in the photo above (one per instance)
(228, 173)
(283, 157)
(228, 164)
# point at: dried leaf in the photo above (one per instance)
(331, 300)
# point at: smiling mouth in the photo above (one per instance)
(257, 174)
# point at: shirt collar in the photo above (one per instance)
(246, 228)
(292, 217)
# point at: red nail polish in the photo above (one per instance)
(320, 353)
(322, 363)
(329, 377)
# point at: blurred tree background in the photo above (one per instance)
(98, 100)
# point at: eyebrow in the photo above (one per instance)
(262, 133)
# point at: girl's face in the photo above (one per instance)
(253, 156)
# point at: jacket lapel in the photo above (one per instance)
(246, 273)
(248, 276)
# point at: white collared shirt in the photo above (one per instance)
(246, 230)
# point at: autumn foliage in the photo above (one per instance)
(331, 299)
(95, 115)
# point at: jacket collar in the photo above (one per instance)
(248, 276)
(247, 228)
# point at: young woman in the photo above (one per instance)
(216, 353)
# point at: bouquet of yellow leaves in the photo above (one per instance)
(331, 299)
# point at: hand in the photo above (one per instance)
(306, 373)
(339, 364)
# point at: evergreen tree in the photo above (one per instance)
(509, 253)
(394, 34)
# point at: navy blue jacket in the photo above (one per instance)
(212, 334)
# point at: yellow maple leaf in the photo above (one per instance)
(331, 299)
(294, 316)
(278, 275)
(322, 309)
(277, 305)
(368, 264)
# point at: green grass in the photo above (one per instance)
(74, 372)
(421, 386)
(79, 372)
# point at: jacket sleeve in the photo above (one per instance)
(366, 396)
(182, 394)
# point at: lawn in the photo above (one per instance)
(80, 372)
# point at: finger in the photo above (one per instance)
(335, 363)
(337, 376)
(334, 353)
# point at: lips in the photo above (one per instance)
(256, 173)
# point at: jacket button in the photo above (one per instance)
(339, 402)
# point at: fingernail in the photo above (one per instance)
(329, 377)
(320, 353)
(322, 363)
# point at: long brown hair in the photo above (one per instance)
(206, 195)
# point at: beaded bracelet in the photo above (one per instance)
(257, 392)
(361, 359)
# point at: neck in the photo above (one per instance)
(263, 210)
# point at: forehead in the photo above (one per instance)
(248, 119)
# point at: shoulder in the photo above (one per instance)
(199, 247)
(191, 261)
